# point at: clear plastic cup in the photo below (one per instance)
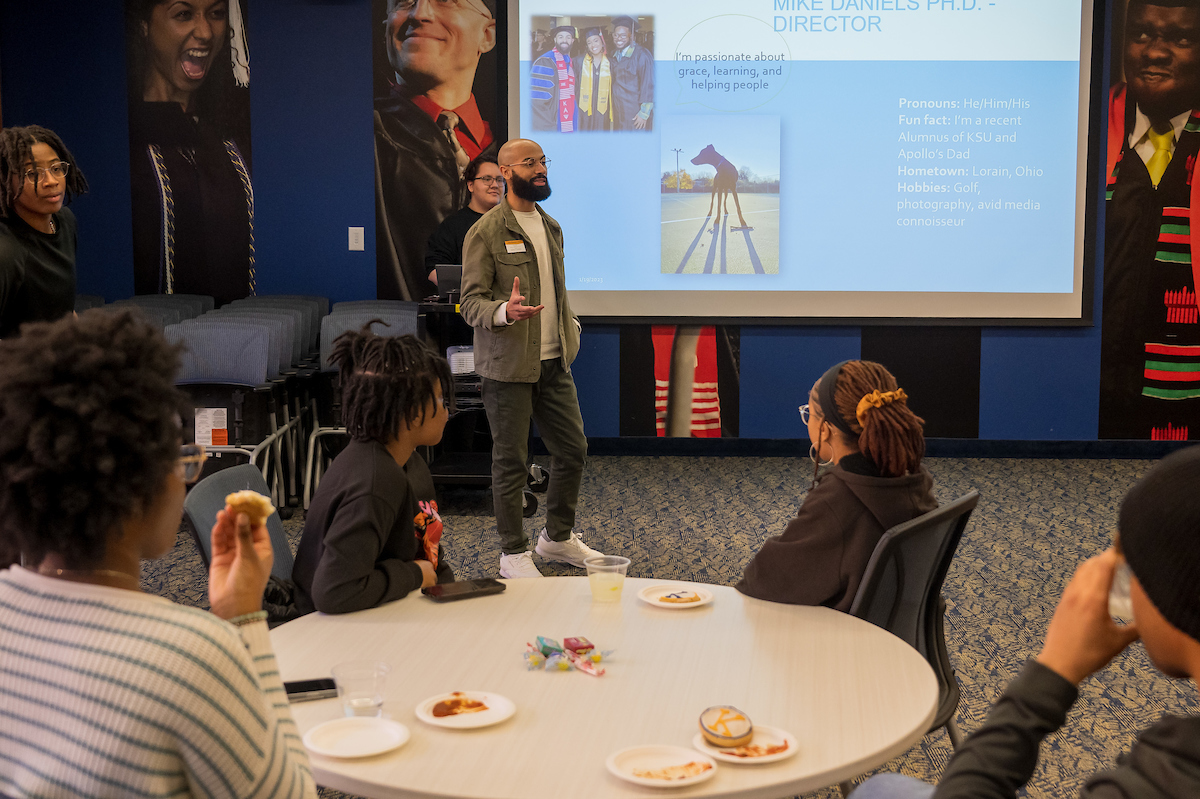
(360, 686)
(606, 576)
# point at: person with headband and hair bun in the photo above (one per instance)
(861, 427)
(372, 533)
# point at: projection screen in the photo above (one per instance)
(816, 159)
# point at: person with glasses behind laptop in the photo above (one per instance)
(37, 233)
(485, 187)
(523, 353)
(106, 690)
(871, 444)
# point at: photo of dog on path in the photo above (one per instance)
(733, 163)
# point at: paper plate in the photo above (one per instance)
(499, 709)
(653, 594)
(763, 736)
(356, 736)
(628, 762)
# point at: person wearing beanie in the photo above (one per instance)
(1158, 541)
(427, 131)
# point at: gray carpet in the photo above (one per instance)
(703, 518)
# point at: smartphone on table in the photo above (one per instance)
(308, 690)
(464, 589)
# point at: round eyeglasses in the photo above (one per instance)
(58, 169)
(190, 462)
(530, 163)
(804, 412)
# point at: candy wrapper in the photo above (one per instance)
(596, 655)
(548, 646)
(580, 645)
(549, 656)
(534, 660)
(584, 664)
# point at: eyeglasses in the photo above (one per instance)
(407, 5)
(190, 462)
(490, 181)
(805, 412)
(530, 163)
(58, 170)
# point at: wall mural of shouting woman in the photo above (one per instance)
(189, 136)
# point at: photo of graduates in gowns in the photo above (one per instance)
(592, 73)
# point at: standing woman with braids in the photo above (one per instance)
(860, 424)
(372, 532)
(37, 233)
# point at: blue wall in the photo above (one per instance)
(62, 64)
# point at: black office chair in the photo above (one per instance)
(901, 592)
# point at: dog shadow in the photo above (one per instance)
(719, 236)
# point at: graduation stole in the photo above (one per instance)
(566, 93)
(585, 96)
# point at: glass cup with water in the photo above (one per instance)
(360, 687)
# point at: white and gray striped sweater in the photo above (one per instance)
(106, 693)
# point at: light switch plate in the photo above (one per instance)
(356, 239)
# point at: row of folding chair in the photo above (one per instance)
(265, 361)
(249, 359)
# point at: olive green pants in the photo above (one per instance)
(554, 405)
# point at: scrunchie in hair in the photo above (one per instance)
(877, 399)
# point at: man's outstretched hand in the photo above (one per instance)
(516, 310)
(1083, 638)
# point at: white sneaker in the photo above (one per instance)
(572, 551)
(518, 565)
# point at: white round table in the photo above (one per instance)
(853, 695)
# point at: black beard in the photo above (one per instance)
(564, 48)
(527, 190)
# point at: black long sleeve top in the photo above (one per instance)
(364, 531)
(999, 758)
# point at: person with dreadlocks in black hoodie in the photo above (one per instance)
(37, 234)
(372, 532)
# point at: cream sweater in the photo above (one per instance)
(106, 693)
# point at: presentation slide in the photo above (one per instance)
(813, 158)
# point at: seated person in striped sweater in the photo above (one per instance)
(861, 429)
(372, 533)
(105, 690)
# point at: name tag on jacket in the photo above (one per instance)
(514, 246)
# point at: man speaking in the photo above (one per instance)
(523, 352)
(426, 131)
